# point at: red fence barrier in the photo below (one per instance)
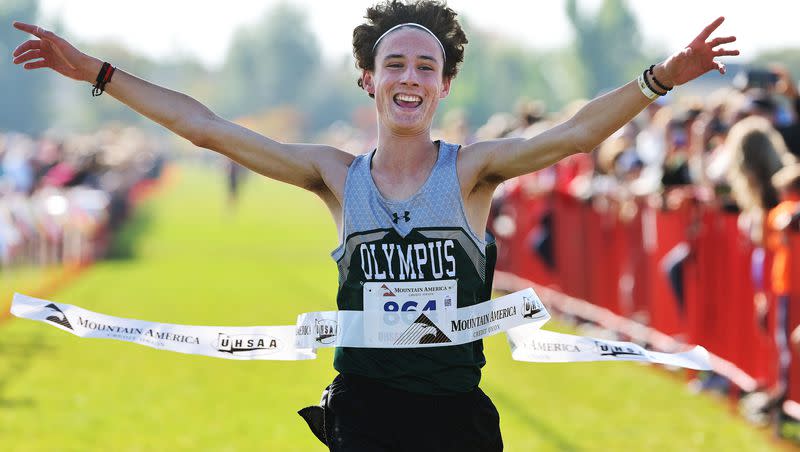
(688, 273)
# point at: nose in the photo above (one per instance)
(409, 76)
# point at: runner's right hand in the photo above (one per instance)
(54, 52)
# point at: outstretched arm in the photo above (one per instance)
(318, 168)
(499, 160)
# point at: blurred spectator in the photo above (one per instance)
(676, 158)
(499, 125)
(781, 219)
(772, 93)
(455, 128)
(756, 152)
(17, 169)
(234, 173)
(708, 160)
(528, 113)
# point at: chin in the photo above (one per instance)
(409, 125)
(410, 118)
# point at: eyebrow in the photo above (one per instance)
(400, 55)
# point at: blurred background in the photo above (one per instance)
(680, 229)
(261, 56)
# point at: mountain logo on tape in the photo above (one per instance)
(247, 344)
(422, 331)
(531, 307)
(58, 317)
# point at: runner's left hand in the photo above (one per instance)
(697, 58)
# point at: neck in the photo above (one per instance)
(404, 153)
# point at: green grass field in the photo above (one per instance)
(184, 259)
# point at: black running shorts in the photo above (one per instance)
(358, 414)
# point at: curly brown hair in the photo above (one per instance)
(432, 14)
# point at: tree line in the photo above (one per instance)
(278, 63)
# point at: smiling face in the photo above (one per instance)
(407, 81)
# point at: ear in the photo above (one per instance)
(445, 87)
(368, 82)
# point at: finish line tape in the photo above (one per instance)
(520, 315)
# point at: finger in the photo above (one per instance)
(718, 41)
(710, 28)
(28, 28)
(37, 31)
(22, 26)
(27, 45)
(27, 56)
(723, 52)
(36, 64)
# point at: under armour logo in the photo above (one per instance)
(406, 216)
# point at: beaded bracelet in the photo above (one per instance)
(655, 80)
(103, 77)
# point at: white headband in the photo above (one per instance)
(415, 25)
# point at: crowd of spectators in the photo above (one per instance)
(736, 150)
(61, 196)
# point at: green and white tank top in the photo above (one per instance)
(412, 258)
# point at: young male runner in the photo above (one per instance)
(410, 213)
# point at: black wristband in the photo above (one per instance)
(647, 82)
(103, 77)
(655, 80)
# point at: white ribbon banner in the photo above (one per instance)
(520, 315)
(540, 346)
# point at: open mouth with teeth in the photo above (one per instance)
(407, 100)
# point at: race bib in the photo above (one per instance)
(389, 308)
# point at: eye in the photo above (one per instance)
(394, 65)
(426, 68)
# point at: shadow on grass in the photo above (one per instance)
(124, 244)
(17, 358)
(523, 411)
